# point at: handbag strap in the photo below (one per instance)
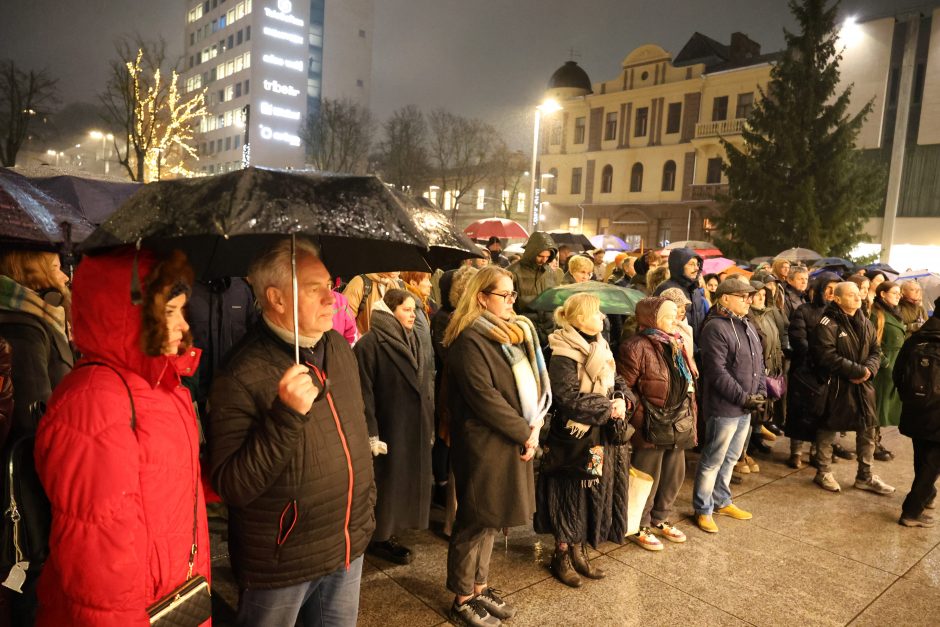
(130, 397)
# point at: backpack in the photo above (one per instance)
(918, 378)
(27, 513)
(366, 292)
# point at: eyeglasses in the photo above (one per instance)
(507, 296)
(744, 297)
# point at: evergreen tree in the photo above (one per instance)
(798, 180)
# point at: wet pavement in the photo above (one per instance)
(808, 557)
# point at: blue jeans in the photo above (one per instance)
(330, 600)
(725, 438)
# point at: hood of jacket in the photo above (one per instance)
(820, 281)
(678, 257)
(538, 242)
(646, 311)
(107, 327)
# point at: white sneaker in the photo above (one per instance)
(826, 481)
(647, 540)
(874, 484)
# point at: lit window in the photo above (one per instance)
(520, 202)
(481, 199)
(504, 198)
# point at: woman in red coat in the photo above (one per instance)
(122, 496)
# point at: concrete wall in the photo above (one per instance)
(930, 108)
(347, 50)
(866, 59)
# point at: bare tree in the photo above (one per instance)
(507, 169)
(24, 98)
(402, 156)
(338, 136)
(461, 149)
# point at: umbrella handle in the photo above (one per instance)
(293, 278)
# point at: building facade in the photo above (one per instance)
(266, 64)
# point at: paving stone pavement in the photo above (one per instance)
(808, 557)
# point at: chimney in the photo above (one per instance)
(743, 48)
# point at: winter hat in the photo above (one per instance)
(734, 285)
(677, 296)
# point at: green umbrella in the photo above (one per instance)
(614, 299)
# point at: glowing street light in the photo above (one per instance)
(105, 149)
(549, 106)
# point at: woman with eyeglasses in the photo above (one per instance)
(498, 395)
(889, 331)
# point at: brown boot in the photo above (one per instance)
(581, 563)
(563, 570)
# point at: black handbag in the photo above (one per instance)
(670, 427)
(570, 456)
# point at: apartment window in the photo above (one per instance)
(555, 135)
(247, 87)
(642, 117)
(192, 39)
(713, 172)
(237, 141)
(238, 90)
(231, 41)
(238, 37)
(248, 33)
(481, 199)
(674, 117)
(720, 109)
(221, 96)
(229, 92)
(610, 126)
(190, 60)
(607, 179)
(745, 105)
(636, 178)
(575, 180)
(669, 176)
(552, 184)
(228, 143)
(579, 130)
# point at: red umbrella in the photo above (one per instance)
(500, 227)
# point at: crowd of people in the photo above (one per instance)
(416, 390)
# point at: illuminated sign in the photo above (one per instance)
(291, 64)
(279, 112)
(279, 136)
(283, 17)
(278, 88)
(279, 34)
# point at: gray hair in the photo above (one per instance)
(272, 267)
(844, 286)
(911, 285)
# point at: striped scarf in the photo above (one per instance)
(15, 297)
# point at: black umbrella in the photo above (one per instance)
(96, 199)
(221, 222)
(573, 240)
(30, 218)
(448, 246)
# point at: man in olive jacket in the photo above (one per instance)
(532, 275)
(290, 454)
(844, 348)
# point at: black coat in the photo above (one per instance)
(398, 392)
(842, 349)
(495, 488)
(923, 423)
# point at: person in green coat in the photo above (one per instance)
(889, 329)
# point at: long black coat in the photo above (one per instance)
(495, 488)
(398, 392)
(921, 423)
(842, 348)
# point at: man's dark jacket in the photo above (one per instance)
(732, 364)
(924, 422)
(305, 480)
(678, 257)
(531, 279)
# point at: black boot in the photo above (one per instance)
(581, 563)
(881, 453)
(563, 570)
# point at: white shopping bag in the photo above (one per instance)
(639, 491)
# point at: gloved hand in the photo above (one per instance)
(378, 446)
(755, 402)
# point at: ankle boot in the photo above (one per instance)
(563, 570)
(581, 563)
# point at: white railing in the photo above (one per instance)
(721, 127)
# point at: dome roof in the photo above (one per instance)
(570, 76)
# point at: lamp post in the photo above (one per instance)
(105, 153)
(549, 106)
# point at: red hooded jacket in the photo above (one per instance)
(122, 500)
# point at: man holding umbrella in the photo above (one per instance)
(290, 453)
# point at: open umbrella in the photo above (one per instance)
(609, 242)
(834, 262)
(715, 265)
(95, 199)
(448, 246)
(804, 255)
(573, 240)
(701, 248)
(614, 299)
(30, 218)
(500, 227)
(880, 267)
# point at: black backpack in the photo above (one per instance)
(918, 378)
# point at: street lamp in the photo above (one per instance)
(549, 106)
(105, 152)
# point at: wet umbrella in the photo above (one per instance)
(614, 299)
(500, 227)
(804, 255)
(573, 240)
(880, 267)
(716, 265)
(607, 241)
(834, 262)
(95, 199)
(448, 246)
(30, 218)
(701, 248)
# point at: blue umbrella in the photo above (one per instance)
(609, 242)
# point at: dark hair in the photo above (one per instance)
(884, 286)
(494, 240)
(394, 298)
(709, 277)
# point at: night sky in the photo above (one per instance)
(484, 58)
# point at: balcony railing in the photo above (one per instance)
(708, 191)
(721, 127)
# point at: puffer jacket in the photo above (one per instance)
(531, 279)
(122, 499)
(732, 364)
(304, 479)
(678, 257)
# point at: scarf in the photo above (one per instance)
(524, 356)
(15, 297)
(386, 325)
(596, 368)
(288, 336)
(677, 352)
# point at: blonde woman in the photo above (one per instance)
(586, 464)
(498, 395)
(580, 269)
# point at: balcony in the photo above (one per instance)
(707, 191)
(721, 127)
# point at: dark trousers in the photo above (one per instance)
(926, 472)
(468, 557)
(667, 467)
